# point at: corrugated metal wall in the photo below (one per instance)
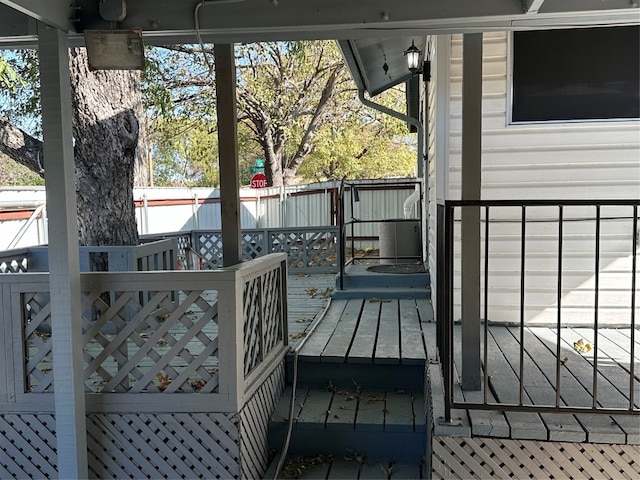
(160, 210)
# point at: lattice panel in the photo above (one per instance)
(462, 458)
(263, 317)
(272, 307)
(38, 344)
(163, 445)
(155, 345)
(253, 245)
(183, 242)
(130, 345)
(253, 353)
(254, 419)
(306, 249)
(14, 265)
(27, 446)
(210, 248)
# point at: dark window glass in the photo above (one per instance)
(576, 74)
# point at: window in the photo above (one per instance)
(576, 74)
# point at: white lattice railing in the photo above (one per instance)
(307, 248)
(157, 255)
(208, 336)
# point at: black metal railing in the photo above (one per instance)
(347, 222)
(598, 216)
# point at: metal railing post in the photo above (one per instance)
(447, 353)
(343, 239)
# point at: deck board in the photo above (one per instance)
(318, 340)
(412, 349)
(371, 407)
(504, 381)
(483, 422)
(372, 470)
(622, 338)
(316, 407)
(342, 415)
(538, 385)
(343, 469)
(364, 340)
(338, 345)
(388, 342)
(612, 361)
(399, 407)
(575, 388)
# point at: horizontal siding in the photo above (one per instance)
(579, 160)
(584, 160)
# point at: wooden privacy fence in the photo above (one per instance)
(170, 358)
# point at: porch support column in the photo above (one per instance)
(64, 270)
(228, 153)
(471, 190)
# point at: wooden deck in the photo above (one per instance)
(373, 330)
(360, 407)
(308, 295)
(380, 333)
(612, 384)
(361, 384)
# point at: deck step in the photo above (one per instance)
(312, 372)
(382, 292)
(357, 276)
(354, 467)
(355, 422)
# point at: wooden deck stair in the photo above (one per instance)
(359, 408)
(394, 282)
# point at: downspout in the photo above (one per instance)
(414, 197)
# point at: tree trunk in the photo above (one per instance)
(110, 153)
(107, 106)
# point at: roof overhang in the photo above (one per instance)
(224, 21)
(372, 33)
(377, 64)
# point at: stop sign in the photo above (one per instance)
(259, 180)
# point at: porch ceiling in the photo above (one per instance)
(172, 21)
(372, 32)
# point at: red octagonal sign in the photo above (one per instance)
(259, 180)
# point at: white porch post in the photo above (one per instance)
(64, 276)
(471, 190)
(228, 153)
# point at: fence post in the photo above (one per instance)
(231, 335)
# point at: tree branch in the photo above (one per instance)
(21, 147)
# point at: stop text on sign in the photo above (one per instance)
(259, 180)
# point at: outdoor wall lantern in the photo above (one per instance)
(413, 60)
(413, 57)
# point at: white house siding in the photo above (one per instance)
(584, 161)
(437, 141)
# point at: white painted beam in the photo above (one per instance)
(471, 190)
(169, 21)
(55, 13)
(228, 153)
(532, 6)
(64, 276)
